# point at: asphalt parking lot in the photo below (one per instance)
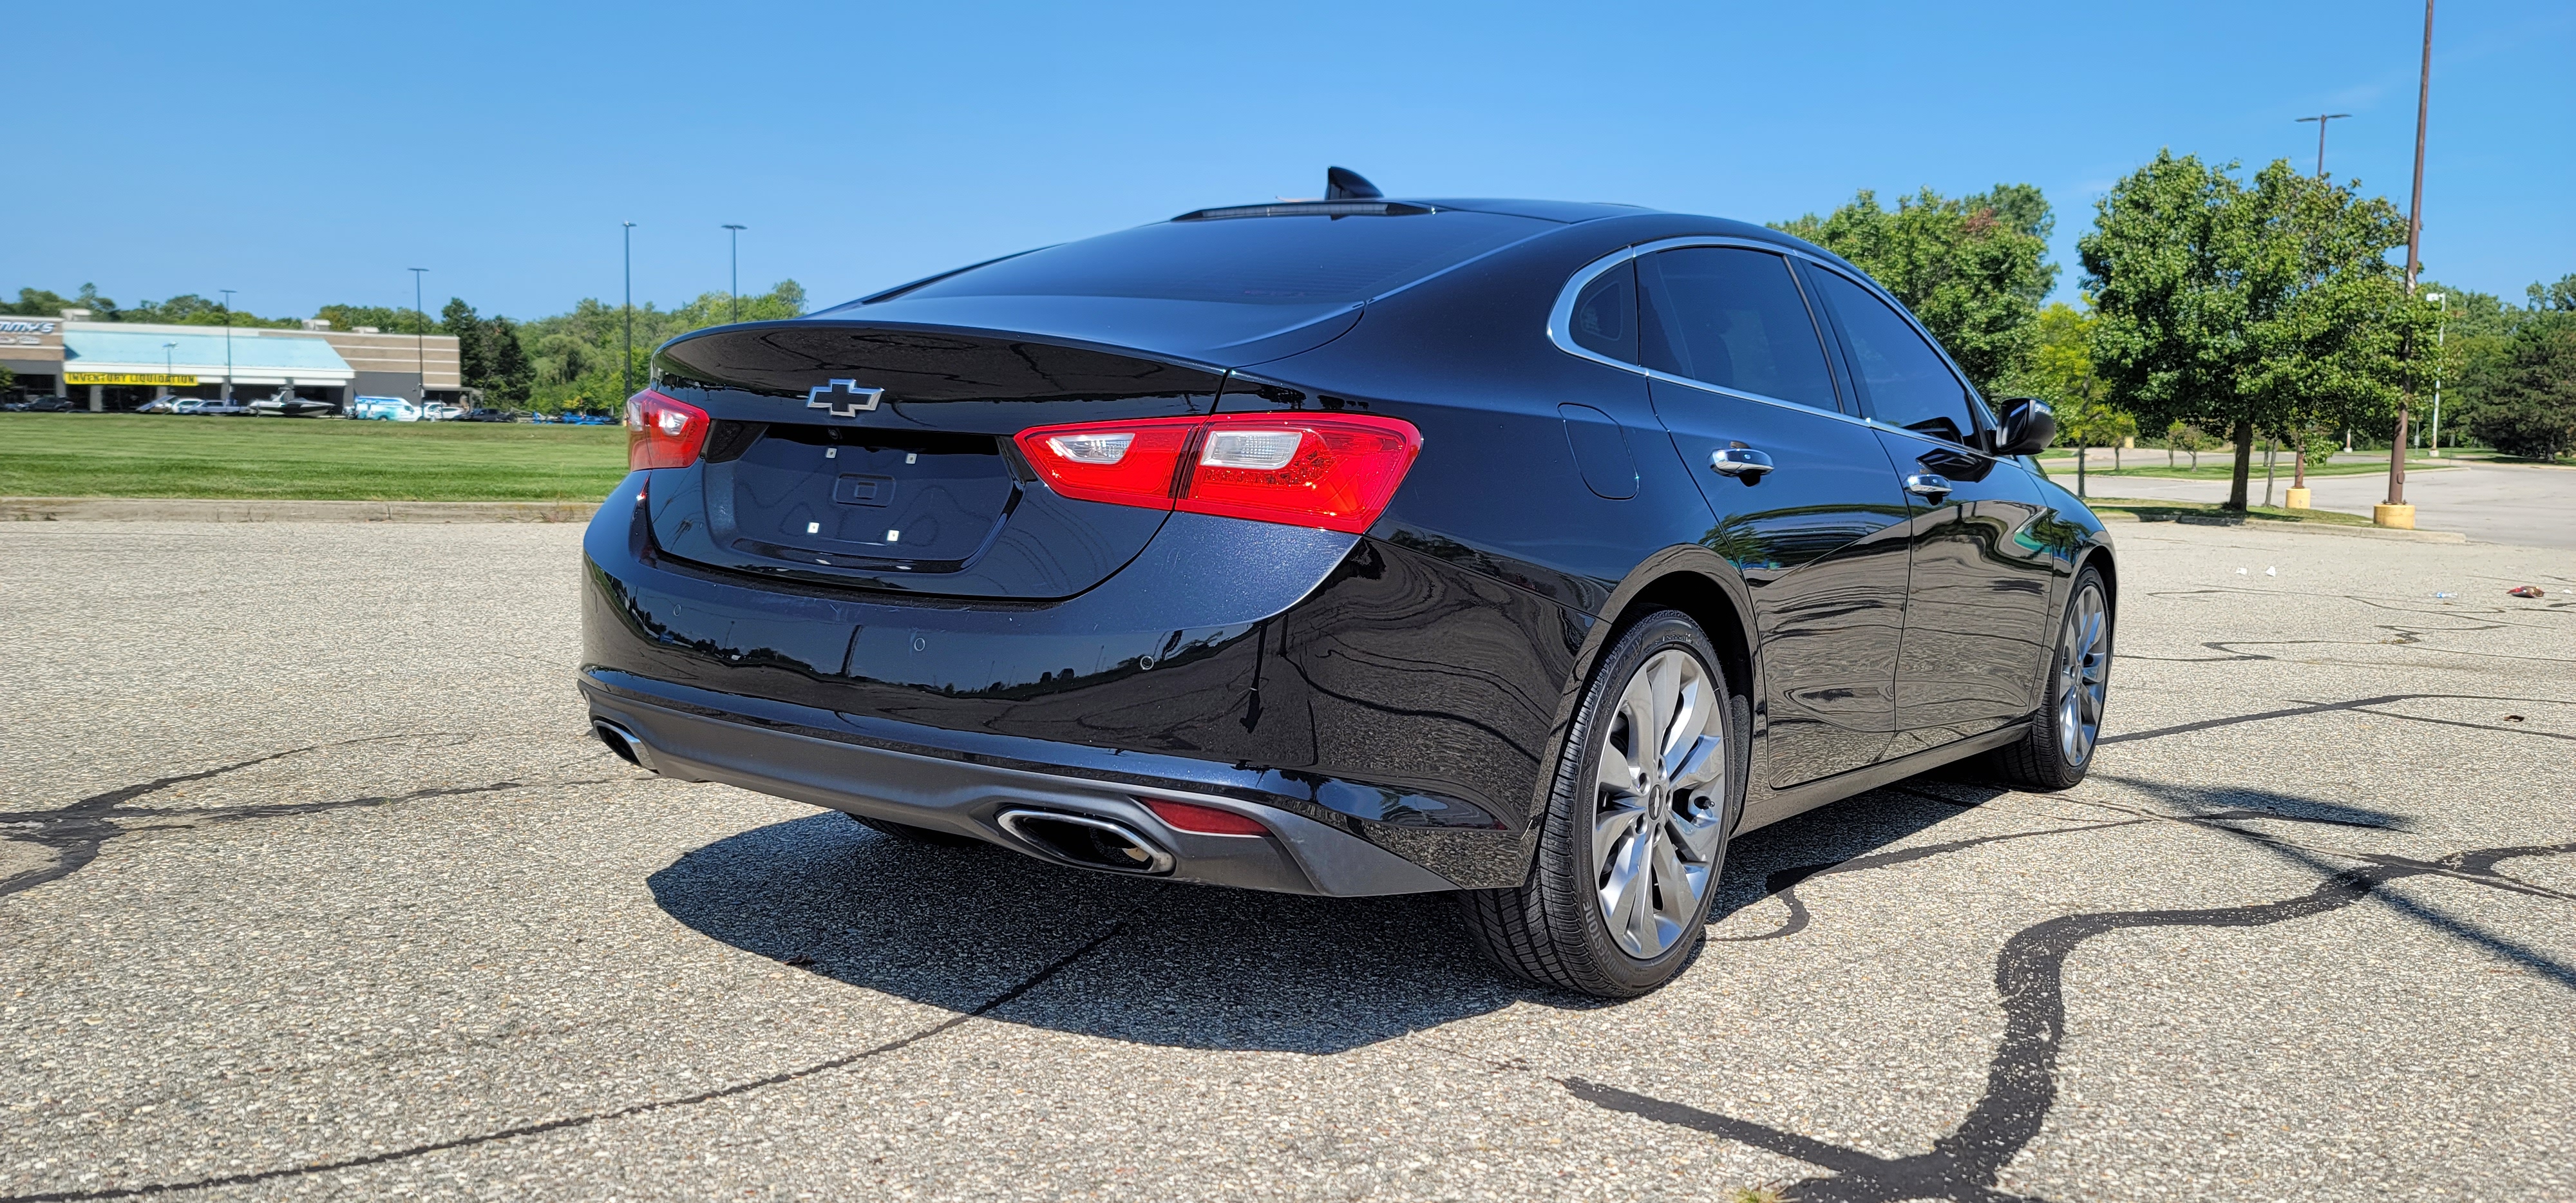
(312, 884)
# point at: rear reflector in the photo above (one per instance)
(1335, 471)
(1205, 820)
(662, 432)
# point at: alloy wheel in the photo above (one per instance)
(2083, 674)
(1659, 802)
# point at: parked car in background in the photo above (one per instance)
(490, 415)
(160, 405)
(1528, 551)
(440, 411)
(50, 405)
(384, 409)
(283, 406)
(211, 407)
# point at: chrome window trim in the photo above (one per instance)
(1560, 325)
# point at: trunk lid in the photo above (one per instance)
(876, 457)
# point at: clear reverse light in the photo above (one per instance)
(1258, 450)
(1093, 448)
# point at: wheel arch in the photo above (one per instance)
(1688, 578)
(2098, 558)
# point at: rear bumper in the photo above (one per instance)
(1379, 693)
(796, 752)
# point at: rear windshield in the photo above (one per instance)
(1246, 260)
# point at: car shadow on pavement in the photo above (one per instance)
(1190, 966)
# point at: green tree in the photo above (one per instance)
(388, 320)
(2190, 439)
(2529, 408)
(2059, 370)
(2267, 303)
(37, 302)
(473, 359)
(577, 358)
(189, 309)
(1973, 269)
(511, 374)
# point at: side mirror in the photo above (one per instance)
(2029, 426)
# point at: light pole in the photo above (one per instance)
(733, 290)
(420, 339)
(228, 345)
(2440, 330)
(2321, 119)
(2395, 511)
(166, 370)
(629, 235)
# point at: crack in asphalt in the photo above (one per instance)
(2357, 704)
(2021, 1078)
(1004, 998)
(77, 832)
(1783, 883)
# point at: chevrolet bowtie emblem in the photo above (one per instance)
(860, 400)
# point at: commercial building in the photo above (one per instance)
(109, 366)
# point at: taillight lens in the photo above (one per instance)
(1124, 463)
(662, 432)
(1335, 471)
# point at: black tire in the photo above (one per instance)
(2047, 757)
(916, 835)
(1553, 929)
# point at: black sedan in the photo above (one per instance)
(1524, 550)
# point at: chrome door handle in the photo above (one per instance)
(1743, 463)
(1927, 485)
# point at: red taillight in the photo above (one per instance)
(1335, 471)
(1205, 820)
(1125, 463)
(662, 432)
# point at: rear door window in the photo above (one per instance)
(1902, 380)
(1734, 318)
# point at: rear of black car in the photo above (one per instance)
(1025, 554)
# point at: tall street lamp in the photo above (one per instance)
(166, 370)
(2395, 511)
(733, 291)
(629, 235)
(2321, 119)
(2440, 330)
(420, 338)
(228, 344)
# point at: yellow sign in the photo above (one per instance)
(126, 378)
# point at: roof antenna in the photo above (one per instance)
(1342, 183)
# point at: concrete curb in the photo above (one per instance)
(182, 509)
(2306, 528)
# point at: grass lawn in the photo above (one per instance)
(169, 455)
(2209, 511)
(2212, 468)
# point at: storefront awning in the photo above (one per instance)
(95, 356)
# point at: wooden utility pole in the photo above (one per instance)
(2395, 511)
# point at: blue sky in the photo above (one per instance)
(309, 154)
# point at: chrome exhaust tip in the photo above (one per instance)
(1085, 840)
(620, 741)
